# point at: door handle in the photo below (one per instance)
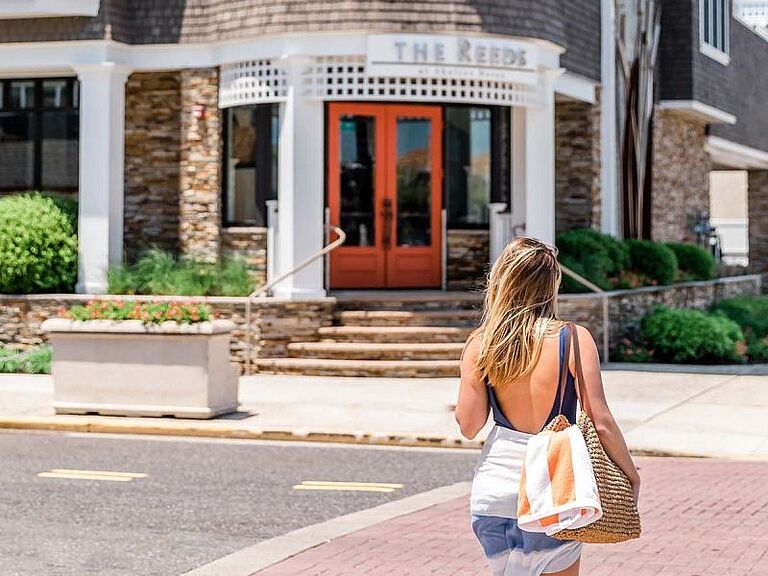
(387, 217)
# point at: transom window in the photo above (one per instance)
(39, 134)
(714, 28)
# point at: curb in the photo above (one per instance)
(185, 428)
(250, 560)
(90, 424)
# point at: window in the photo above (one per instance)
(476, 163)
(714, 21)
(39, 135)
(250, 154)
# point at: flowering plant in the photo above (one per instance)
(148, 312)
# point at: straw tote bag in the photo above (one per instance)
(620, 520)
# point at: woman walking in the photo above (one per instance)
(512, 367)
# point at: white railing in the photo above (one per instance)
(272, 236)
(263, 291)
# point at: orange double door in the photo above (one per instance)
(385, 192)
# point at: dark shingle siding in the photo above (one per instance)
(675, 50)
(744, 89)
(582, 33)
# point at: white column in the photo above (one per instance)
(517, 197)
(300, 188)
(609, 183)
(540, 163)
(102, 143)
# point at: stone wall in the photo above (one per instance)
(249, 243)
(276, 322)
(152, 156)
(757, 203)
(200, 164)
(577, 165)
(680, 176)
(468, 258)
(627, 307)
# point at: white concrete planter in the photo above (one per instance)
(129, 368)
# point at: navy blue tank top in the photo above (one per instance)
(569, 402)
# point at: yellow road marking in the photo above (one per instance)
(102, 475)
(84, 477)
(99, 472)
(321, 485)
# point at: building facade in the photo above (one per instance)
(430, 133)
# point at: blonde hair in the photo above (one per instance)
(520, 308)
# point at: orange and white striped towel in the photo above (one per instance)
(557, 485)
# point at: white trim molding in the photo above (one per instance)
(697, 110)
(47, 8)
(576, 87)
(729, 154)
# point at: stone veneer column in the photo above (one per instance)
(577, 165)
(757, 202)
(152, 142)
(680, 176)
(200, 164)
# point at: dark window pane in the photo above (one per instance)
(357, 163)
(707, 20)
(252, 133)
(414, 181)
(468, 166)
(60, 150)
(22, 95)
(55, 93)
(16, 151)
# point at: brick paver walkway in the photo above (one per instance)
(700, 518)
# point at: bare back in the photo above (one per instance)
(527, 402)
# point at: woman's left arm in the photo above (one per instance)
(472, 405)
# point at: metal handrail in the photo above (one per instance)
(604, 298)
(263, 291)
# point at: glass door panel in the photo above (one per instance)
(414, 181)
(357, 165)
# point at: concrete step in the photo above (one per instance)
(407, 300)
(372, 368)
(376, 350)
(438, 318)
(383, 334)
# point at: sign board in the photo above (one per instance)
(462, 57)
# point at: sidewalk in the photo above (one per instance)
(681, 534)
(660, 412)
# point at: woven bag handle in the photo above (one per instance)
(564, 368)
(581, 391)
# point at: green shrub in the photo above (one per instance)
(35, 361)
(691, 336)
(598, 257)
(147, 312)
(694, 262)
(652, 260)
(159, 273)
(66, 205)
(38, 245)
(757, 350)
(751, 313)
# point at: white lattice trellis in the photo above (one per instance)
(345, 78)
(252, 82)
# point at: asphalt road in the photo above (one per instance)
(200, 499)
